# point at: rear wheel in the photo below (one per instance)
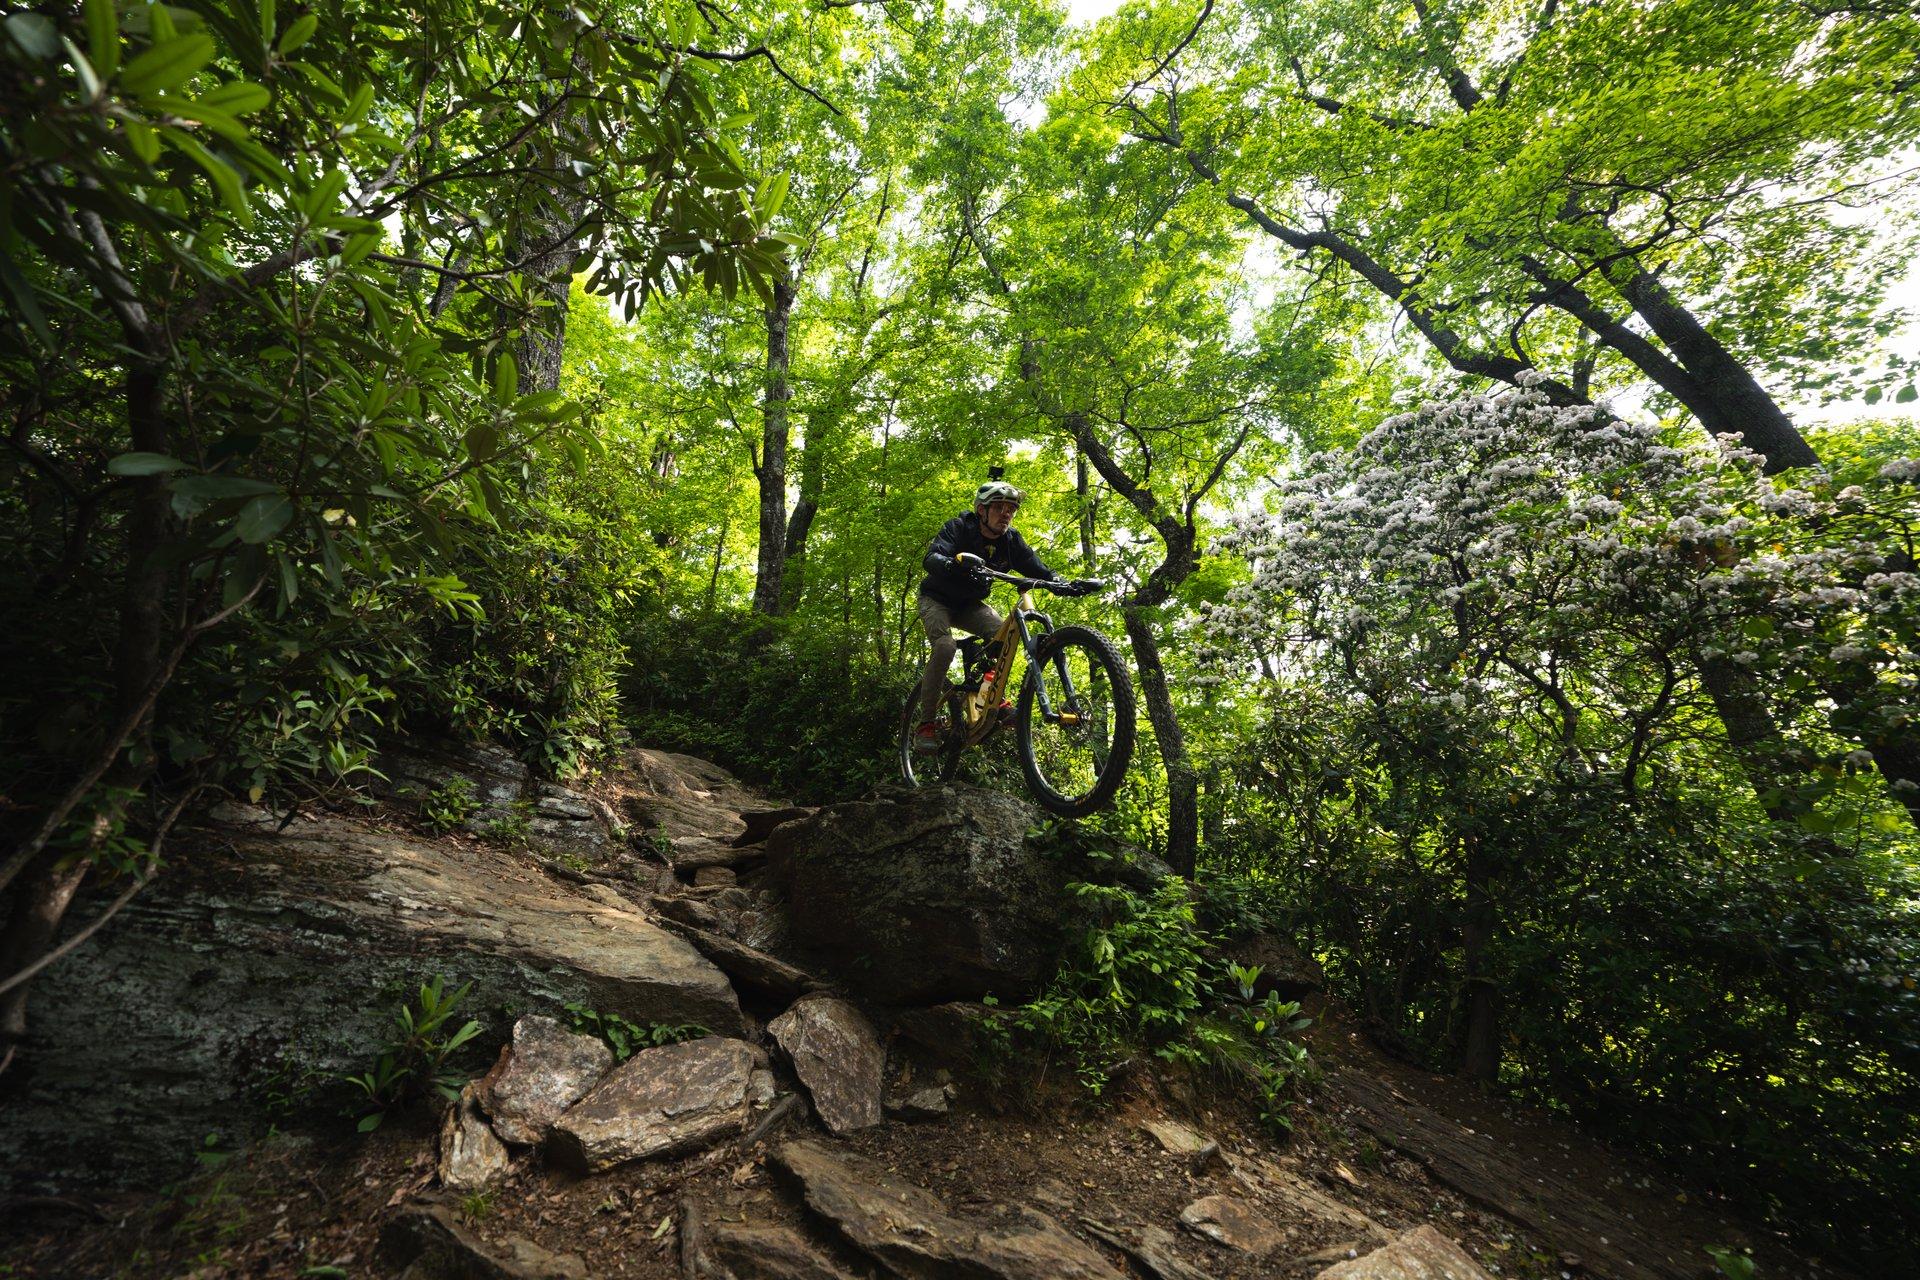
(1075, 722)
(922, 768)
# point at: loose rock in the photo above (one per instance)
(931, 1103)
(1420, 1254)
(747, 965)
(661, 1102)
(426, 1241)
(837, 1055)
(908, 1229)
(545, 1070)
(767, 1253)
(1233, 1222)
(471, 1155)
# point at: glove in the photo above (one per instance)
(978, 574)
(1082, 587)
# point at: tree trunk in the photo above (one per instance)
(1480, 1047)
(1183, 784)
(1084, 491)
(793, 582)
(1733, 400)
(772, 471)
(40, 904)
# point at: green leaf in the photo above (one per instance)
(225, 180)
(35, 34)
(506, 379)
(141, 140)
(369, 1123)
(103, 36)
(237, 97)
(166, 65)
(263, 518)
(297, 34)
(1906, 394)
(24, 301)
(90, 84)
(267, 21)
(144, 464)
(198, 111)
(771, 195)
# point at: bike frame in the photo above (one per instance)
(980, 709)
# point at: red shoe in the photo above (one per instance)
(926, 736)
(1006, 714)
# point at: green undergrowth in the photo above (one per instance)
(1142, 981)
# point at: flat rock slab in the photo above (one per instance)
(1153, 1250)
(1420, 1254)
(930, 1102)
(662, 1102)
(471, 1156)
(1238, 1224)
(264, 951)
(909, 1231)
(744, 1252)
(1176, 1138)
(748, 966)
(426, 1241)
(545, 1070)
(838, 1056)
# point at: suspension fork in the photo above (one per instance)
(1031, 647)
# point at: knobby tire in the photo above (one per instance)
(1099, 654)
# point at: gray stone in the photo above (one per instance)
(761, 822)
(929, 1103)
(1154, 1251)
(544, 1071)
(263, 957)
(1176, 1138)
(426, 1241)
(660, 1102)
(909, 1230)
(688, 854)
(747, 1252)
(959, 1033)
(471, 1154)
(917, 896)
(1285, 969)
(837, 1055)
(1419, 1254)
(1238, 1224)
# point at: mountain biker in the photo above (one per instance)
(954, 594)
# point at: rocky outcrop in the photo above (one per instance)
(747, 1251)
(663, 1102)
(837, 1055)
(502, 799)
(271, 953)
(1420, 1254)
(545, 1070)
(909, 1231)
(918, 896)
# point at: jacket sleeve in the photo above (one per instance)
(939, 557)
(1028, 563)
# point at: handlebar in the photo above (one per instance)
(1077, 587)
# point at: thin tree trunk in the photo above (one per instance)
(1183, 784)
(793, 582)
(1083, 488)
(772, 471)
(1480, 1049)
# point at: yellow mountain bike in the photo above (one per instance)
(1074, 721)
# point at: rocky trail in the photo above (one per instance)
(841, 1117)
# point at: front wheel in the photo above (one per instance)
(1075, 722)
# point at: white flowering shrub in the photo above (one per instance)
(1484, 630)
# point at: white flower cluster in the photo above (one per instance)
(1506, 540)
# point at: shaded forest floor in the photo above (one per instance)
(1379, 1147)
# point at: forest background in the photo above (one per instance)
(1493, 414)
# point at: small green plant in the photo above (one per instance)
(477, 1206)
(414, 1061)
(1733, 1264)
(448, 806)
(628, 1038)
(513, 828)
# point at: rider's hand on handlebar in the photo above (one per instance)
(1080, 587)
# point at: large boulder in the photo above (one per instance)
(266, 958)
(917, 896)
(544, 1071)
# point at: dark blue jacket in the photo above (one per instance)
(948, 583)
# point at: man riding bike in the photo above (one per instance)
(953, 594)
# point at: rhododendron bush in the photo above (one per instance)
(1588, 763)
